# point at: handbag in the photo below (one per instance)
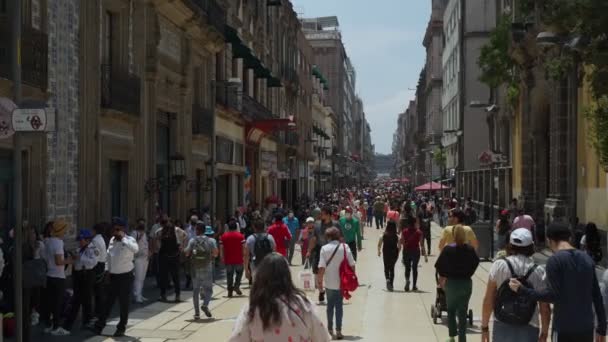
(348, 278)
(306, 278)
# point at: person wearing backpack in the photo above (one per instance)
(516, 317)
(329, 277)
(259, 245)
(572, 288)
(202, 250)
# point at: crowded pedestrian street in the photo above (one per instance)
(373, 313)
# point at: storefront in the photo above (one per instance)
(230, 163)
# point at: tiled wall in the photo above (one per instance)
(62, 145)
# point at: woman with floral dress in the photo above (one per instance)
(277, 310)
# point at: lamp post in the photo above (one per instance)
(491, 110)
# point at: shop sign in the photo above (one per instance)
(32, 120)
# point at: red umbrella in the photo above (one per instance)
(432, 186)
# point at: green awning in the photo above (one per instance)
(318, 74)
(318, 131)
(274, 82)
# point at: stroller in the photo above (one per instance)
(441, 305)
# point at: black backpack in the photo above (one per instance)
(261, 248)
(511, 307)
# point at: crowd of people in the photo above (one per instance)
(111, 261)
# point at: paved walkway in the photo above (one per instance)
(373, 314)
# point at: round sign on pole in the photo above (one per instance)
(29, 120)
(6, 126)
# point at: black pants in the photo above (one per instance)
(53, 299)
(120, 287)
(168, 266)
(389, 267)
(411, 260)
(427, 237)
(379, 220)
(26, 323)
(84, 282)
(353, 249)
(99, 289)
(234, 274)
(573, 337)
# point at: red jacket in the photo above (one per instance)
(281, 235)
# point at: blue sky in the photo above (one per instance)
(384, 40)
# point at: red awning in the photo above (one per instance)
(432, 186)
(258, 129)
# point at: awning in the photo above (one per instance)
(320, 132)
(258, 129)
(432, 186)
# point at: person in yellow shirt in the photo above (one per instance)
(456, 217)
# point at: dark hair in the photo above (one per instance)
(272, 283)
(332, 234)
(458, 214)
(592, 237)
(46, 232)
(514, 250)
(278, 217)
(232, 225)
(326, 210)
(391, 228)
(258, 225)
(558, 232)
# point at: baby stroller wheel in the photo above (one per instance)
(470, 317)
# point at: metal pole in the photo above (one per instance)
(491, 210)
(213, 156)
(17, 173)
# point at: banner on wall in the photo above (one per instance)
(247, 185)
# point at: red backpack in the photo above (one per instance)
(348, 277)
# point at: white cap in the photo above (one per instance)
(310, 220)
(521, 237)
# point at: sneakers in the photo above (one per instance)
(415, 289)
(331, 333)
(230, 294)
(35, 318)
(60, 332)
(206, 311)
(178, 299)
(162, 299)
(407, 286)
(238, 292)
(339, 335)
(389, 286)
(119, 333)
(197, 316)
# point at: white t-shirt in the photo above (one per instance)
(521, 264)
(332, 271)
(54, 246)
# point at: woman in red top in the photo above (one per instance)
(280, 233)
(413, 245)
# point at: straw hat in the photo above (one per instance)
(59, 228)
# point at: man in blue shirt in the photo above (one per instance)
(293, 224)
(573, 288)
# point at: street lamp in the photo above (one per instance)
(490, 109)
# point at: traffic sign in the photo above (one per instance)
(32, 119)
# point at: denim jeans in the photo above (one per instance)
(202, 280)
(514, 333)
(234, 274)
(411, 260)
(334, 303)
(379, 220)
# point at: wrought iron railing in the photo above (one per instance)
(229, 95)
(201, 120)
(34, 55)
(254, 110)
(213, 12)
(120, 90)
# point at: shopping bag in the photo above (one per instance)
(306, 278)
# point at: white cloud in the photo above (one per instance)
(382, 117)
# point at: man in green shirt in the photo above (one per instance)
(351, 232)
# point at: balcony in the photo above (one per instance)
(120, 90)
(212, 11)
(34, 55)
(254, 110)
(229, 95)
(201, 120)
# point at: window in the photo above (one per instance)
(108, 38)
(224, 150)
(119, 187)
(3, 6)
(238, 154)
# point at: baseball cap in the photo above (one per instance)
(310, 220)
(521, 237)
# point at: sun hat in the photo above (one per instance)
(209, 230)
(59, 227)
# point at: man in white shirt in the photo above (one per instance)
(141, 260)
(119, 270)
(100, 268)
(332, 255)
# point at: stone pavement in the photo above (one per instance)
(373, 314)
